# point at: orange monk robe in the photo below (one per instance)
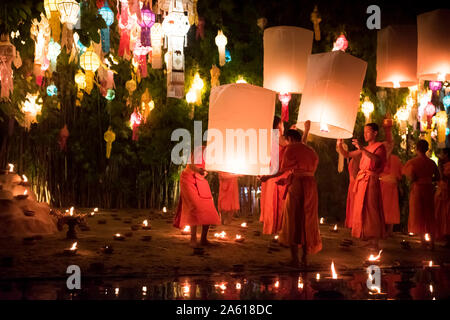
(196, 205)
(367, 214)
(300, 215)
(442, 203)
(272, 202)
(228, 192)
(389, 178)
(353, 168)
(421, 170)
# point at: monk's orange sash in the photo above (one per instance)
(363, 175)
(295, 173)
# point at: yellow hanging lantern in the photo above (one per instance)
(131, 86)
(367, 108)
(221, 42)
(197, 85)
(80, 80)
(109, 137)
(147, 104)
(52, 13)
(441, 122)
(89, 62)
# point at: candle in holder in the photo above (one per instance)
(376, 292)
(244, 225)
(146, 225)
(11, 168)
(238, 286)
(72, 250)
(427, 237)
(119, 237)
(186, 230)
(322, 220)
(334, 229)
(430, 264)
(317, 276)
(239, 238)
(221, 236)
(300, 283)
(95, 210)
(275, 239)
(164, 209)
(411, 234)
(372, 259)
(24, 181)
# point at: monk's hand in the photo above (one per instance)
(355, 142)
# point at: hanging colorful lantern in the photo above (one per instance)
(31, 107)
(110, 95)
(157, 41)
(125, 26)
(331, 95)
(200, 32)
(433, 53)
(52, 90)
(52, 13)
(215, 74)
(395, 69)
(367, 108)
(68, 14)
(402, 116)
(63, 136)
(227, 56)
(89, 62)
(246, 108)
(147, 104)
(197, 85)
(7, 56)
(430, 110)
(148, 19)
(109, 137)
(435, 85)
(446, 102)
(221, 42)
(441, 122)
(316, 19)
(340, 44)
(175, 27)
(286, 51)
(135, 122)
(40, 33)
(54, 49)
(140, 56)
(107, 15)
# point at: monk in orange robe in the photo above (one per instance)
(367, 214)
(442, 198)
(196, 205)
(422, 171)
(228, 203)
(389, 179)
(300, 225)
(271, 202)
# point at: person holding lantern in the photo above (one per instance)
(422, 171)
(228, 202)
(196, 205)
(442, 198)
(300, 225)
(367, 219)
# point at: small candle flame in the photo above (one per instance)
(71, 211)
(11, 167)
(25, 192)
(145, 223)
(411, 234)
(144, 290)
(221, 286)
(164, 209)
(238, 286)
(24, 178)
(427, 237)
(300, 283)
(244, 224)
(238, 236)
(186, 289)
(116, 291)
(335, 227)
(221, 235)
(317, 276)
(95, 209)
(276, 237)
(187, 229)
(333, 271)
(375, 290)
(375, 258)
(430, 264)
(74, 246)
(322, 220)
(117, 234)
(431, 288)
(277, 284)
(92, 213)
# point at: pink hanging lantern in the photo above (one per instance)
(435, 85)
(286, 51)
(148, 19)
(135, 122)
(395, 69)
(433, 51)
(125, 26)
(430, 109)
(140, 55)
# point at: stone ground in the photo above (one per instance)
(168, 253)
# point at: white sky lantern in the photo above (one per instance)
(331, 96)
(221, 42)
(397, 56)
(433, 53)
(240, 129)
(286, 51)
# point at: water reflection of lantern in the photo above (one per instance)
(433, 54)
(89, 62)
(135, 122)
(331, 95)
(108, 16)
(249, 111)
(221, 42)
(157, 39)
(286, 51)
(52, 13)
(395, 69)
(367, 108)
(147, 21)
(340, 44)
(441, 121)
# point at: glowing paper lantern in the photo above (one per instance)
(68, 14)
(89, 62)
(157, 38)
(135, 122)
(227, 56)
(52, 90)
(340, 44)
(7, 55)
(367, 108)
(147, 104)
(430, 109)
(446, 101)
(52, 12)
(397, 57)
(197, 85)
(140, 54)
(249, 111)
(433, 53)
(109, 137)
(107, 15)
(125, 25)
(221, 42)
(40, 33)
(435, 85)
(148, 19)
(286, 51)
(331, 96)
(54, 49)
(110, 95)
(31, 107)
(441, 121)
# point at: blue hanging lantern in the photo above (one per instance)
(107, 15)
(446, 101)
(148, 19)
(52, 90)
(227, 55)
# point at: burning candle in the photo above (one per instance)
(222, 286)
(221, 236)
(238, 286)
(333, 271)
(164, 209)
(277, 284)
(116, 291)
(119, 237)
(334, 229)
(144, 290)
(108, 249)
(373, 258)
(24, 178)
(317, 276)
(430, 264)
(71, 211)
(322, 220)
(411, 234)
(300, 283)
(186, 230)
(11, 167)
(275, 238)
(186, 289)
(92, 214)
(427, 237)
(72, 250)
(146, 225)
(239, 238)
(244, 225)
(95, 209)
(376, 292)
